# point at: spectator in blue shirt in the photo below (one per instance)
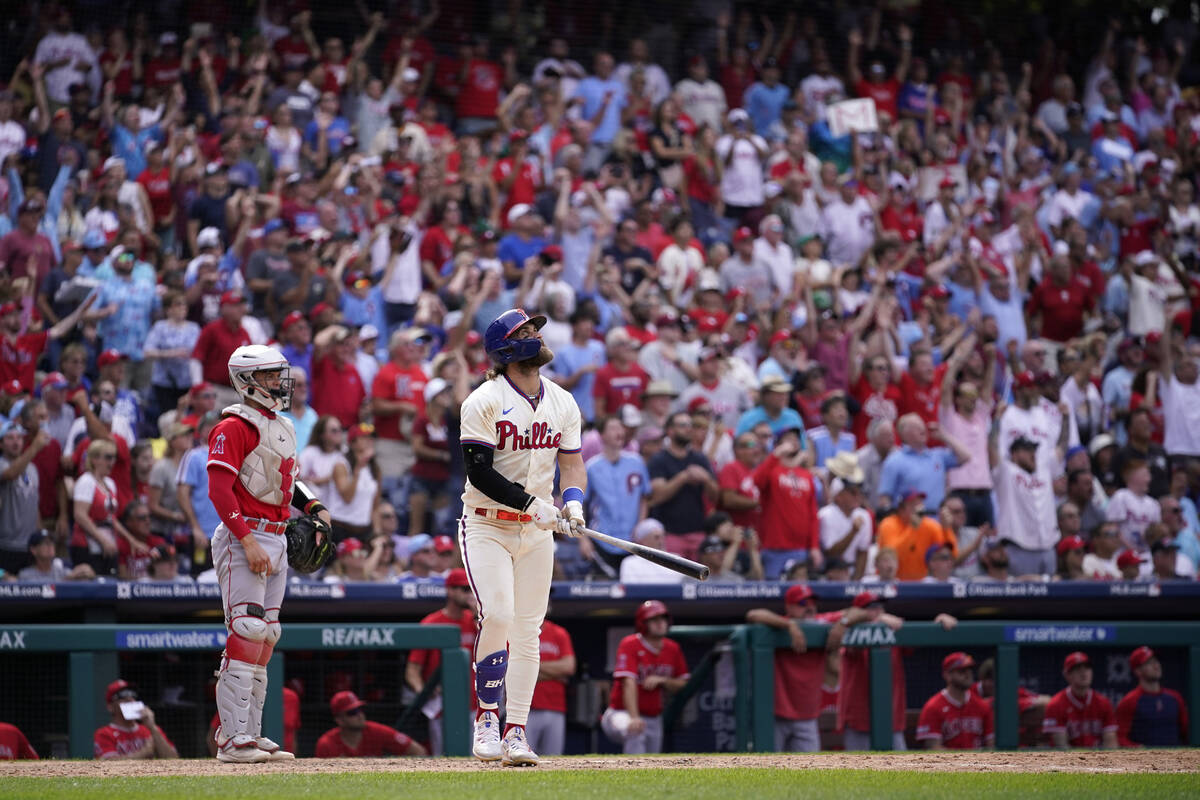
(764, 99)
(916, 467)
(125, 308)
(772, 409)
(602, 97)
(1111, 149)
(574, 365)
(832, 437)
(617, 492)
(192, 482)
(335, 127)
(524, 240)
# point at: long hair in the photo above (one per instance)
(317, 438)
(494, 371)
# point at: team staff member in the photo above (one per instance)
(124, 738)
(647, 663)
(459, 610)
(1078, 716)
(252, 482)
(801, 674)
(357, 737)
(1150, 715)
(13, 744)
(516, 428)
(956, 718)
(854, 713)
(547, 727)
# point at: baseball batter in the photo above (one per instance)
(251, 481)
(516, 427)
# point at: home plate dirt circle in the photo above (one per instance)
(1083, 761)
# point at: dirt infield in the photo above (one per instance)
(1123, 761)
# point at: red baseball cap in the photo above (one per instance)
(781, 335)
(697, 402)
(360, 430)
(232, 298)
(342, 702)
(864, 599)
(348, 546)
(912, 494)
(947, 183)
(199, 388)
(1140, 656)
(957, 660)
(1025, 380)
(12, 388)
(1128, 559)
(55, 380)
(443, 544)
(798, 593)
(1074, 660)
(9, 308)
(473, 338)
(1070, 543)
(291, 319)
(553, 252)
(938, 292)
(457, 577)
(742, 234)
(318, 308)
(108, 357)
(121, 684)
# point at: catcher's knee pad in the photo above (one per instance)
(273, 627)
(248, 620)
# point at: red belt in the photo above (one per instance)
(266, 526)
(501, 514)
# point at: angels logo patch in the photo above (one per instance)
(218, 445)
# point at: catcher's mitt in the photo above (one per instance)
(303, 553)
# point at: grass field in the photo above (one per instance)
(1077, 775)
(702, 784)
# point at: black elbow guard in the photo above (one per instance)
(483, 476)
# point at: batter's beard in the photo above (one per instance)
(543, 357)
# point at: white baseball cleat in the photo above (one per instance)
(517, 752)
(276, 752)
(241, 749)
(487, 737)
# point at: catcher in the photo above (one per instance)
(251, 481)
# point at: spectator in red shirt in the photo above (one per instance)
(1060, 305)
(790, 530)
(430, 440)
(26, 245)
(621, 381)
(218, 339)
(337, 388)
(357, 737)
(1078, 716)
(801, 674)
(877, 397)
(920, 387)
(956, 718)
(878, 86)
(515, 176)
(480, 82)
(131, 732)
(739, 493)
(163, 71)
(547, 724)
(397, 397)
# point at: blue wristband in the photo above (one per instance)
(572, 493)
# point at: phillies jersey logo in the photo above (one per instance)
(536, 438)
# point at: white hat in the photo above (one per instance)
(646, 527)
(411, 74)
(112, 161)
(1061, 248)
(630, 416)
(1145, 257)
(368, 331)
(820, 272)
(208, 237)
(434, 388)
(518, 211)
(709, 281)
(736, 114)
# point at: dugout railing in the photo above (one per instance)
(92, 649)
(752, 649)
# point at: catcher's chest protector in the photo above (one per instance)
(269, 470)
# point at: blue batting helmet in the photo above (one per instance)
(504, 350)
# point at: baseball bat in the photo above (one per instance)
(655, 556)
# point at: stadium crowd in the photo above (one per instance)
(947, 338)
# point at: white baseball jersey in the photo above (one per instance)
(526, 438)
